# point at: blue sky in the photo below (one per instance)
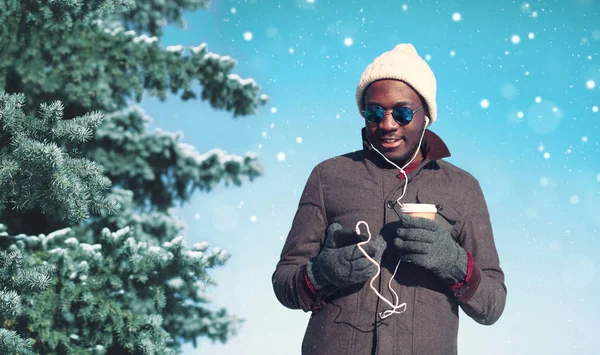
(518, 106)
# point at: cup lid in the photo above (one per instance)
(418, 208)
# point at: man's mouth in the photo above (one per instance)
(391, 142)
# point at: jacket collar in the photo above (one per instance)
(432, 148)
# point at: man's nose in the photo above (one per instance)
(388, 123)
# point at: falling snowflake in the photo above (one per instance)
(404, 7)
(348, 41)
(538, 99)
(456, 17)
(520, 114)
(197, 216)
(584, 139)
(590, 84)
(233, 10)
(291, 50)
(299, 140)
(485, 103)
(544, 181)
(531, 35)
(574, 199)
(281, 156)
(515, 39)
(253, 219)
(273, 109)
(248, 36)
(595, 109)
(546, 155)
(452, 53)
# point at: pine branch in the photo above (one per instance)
(39, 173)
(156, 167)
(106, 66)
(151, 16)
(16, 276)
(11, 343)
(121, 292)
(149, 226)
(55, 15)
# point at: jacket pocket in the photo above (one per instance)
(447, 215)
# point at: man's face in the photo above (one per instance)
(397, 143)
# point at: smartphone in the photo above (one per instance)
(344, 238)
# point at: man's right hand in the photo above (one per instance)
(340, 265)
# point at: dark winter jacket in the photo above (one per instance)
(362, 186)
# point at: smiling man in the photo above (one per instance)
(377, 280)
(397, 141)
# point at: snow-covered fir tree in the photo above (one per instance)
(16, 278)
(87, 192)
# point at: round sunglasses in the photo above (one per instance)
(402, 115)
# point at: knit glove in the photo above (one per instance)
(427, 244)
(340, 263)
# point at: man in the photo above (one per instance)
(441, 265)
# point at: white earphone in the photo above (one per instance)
(396, 305)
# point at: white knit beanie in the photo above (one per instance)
(401, 63)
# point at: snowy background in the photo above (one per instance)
(518, 101)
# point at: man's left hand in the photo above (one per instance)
(427, 244)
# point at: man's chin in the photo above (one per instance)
(400, 157)
(396, 157)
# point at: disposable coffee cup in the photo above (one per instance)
(422, 210)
